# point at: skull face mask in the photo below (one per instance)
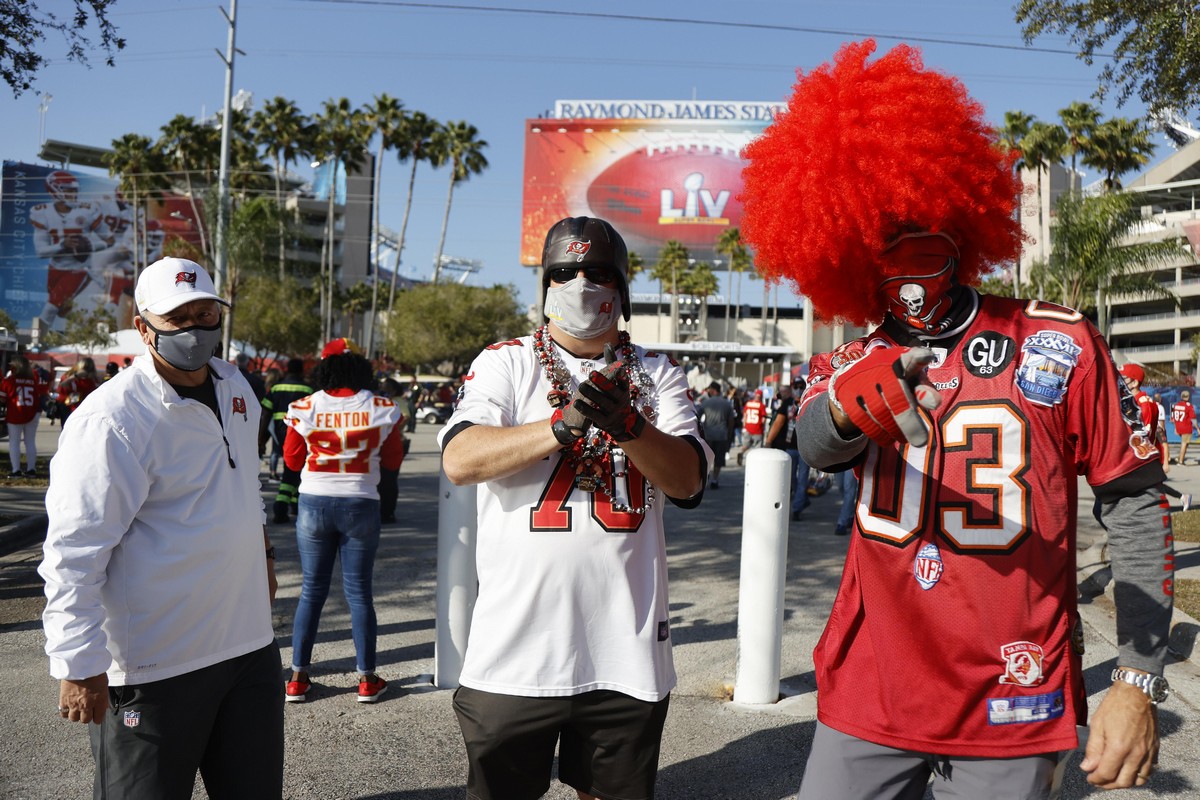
(926, 263)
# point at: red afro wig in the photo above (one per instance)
(866, 152)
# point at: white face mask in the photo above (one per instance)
(582, 309)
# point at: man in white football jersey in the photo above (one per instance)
(574, 458)
(66, 231)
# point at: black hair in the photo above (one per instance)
(344, 371)
(391, 386)
(295, 366)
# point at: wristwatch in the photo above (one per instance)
(1155, 686)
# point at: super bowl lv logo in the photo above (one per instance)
(694, 196)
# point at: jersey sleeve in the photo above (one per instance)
(487, 395)
(1104, 426)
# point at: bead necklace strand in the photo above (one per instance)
(591, 455)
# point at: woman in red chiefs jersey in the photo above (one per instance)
(22, 392)
(340, 438)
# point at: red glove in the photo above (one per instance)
(880, 393)
(605, 401)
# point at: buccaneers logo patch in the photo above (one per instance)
(577, 248)
(1022, 664)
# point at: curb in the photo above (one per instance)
(23, 532)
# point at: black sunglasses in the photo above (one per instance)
(598, 275)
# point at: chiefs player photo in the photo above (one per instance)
(67, 231)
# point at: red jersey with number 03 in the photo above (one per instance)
(754, 416)
(24, 397)
(952, 628)
(345, 439)
(1183, 414)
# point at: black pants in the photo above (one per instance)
(225, 721)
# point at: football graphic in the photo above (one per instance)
(683, 192)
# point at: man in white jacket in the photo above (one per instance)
(159, 580)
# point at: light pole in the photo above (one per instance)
(43, 107)
(221, 260)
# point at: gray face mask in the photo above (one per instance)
(582, 309)
(188, 349)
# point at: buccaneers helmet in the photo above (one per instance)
(583, 242)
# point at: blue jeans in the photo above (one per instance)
(849, 483)
(325, 528)
(799, 481)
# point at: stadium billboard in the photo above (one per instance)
(657, 170)
(66, 243)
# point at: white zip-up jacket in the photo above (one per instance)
(154, 558)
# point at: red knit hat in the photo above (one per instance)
(341, 346)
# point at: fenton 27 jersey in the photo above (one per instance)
(554, 558)
(953, 629)
(343, 436)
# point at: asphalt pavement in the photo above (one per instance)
(408, 747)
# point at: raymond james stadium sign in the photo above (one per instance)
(716, 110)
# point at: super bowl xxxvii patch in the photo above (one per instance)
(1030, 708)
(1047, 359)
(132, 719)
(928, 566)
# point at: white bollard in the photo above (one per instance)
(760, 588)
(457, 583)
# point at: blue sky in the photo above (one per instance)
(495, 69)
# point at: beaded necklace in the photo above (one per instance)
(591, 455)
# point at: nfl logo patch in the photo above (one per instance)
(928, 566)
(132, 718)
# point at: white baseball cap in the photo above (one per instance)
(168, 283)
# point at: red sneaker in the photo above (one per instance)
(297, 691)
(371, 688)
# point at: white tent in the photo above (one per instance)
(127, 342)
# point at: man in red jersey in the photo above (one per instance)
(754, 418)
(1183, 414)
(951, 650)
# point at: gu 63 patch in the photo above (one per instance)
(1022, 664)
(1031, 708)
(1047, 359)
(988, 354)
(928, 566)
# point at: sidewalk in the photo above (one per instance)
(408, 747)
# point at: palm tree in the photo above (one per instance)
(187, 145)
(672, 266)
(699, 281)
(456, 144)
(383, 117)
(1012, 137)
(1118, 145)
(412, 140)
(286, 134)
(1043, 146)
(737, 259)
(1079, 120)
(1013, 132)
(341, 143)
(1089, 259)
(140, 169)
(637, 266)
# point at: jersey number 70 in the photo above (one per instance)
(553, 514)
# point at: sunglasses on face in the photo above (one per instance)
(603, 276)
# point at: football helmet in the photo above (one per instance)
(63, 186)
(583, 242)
